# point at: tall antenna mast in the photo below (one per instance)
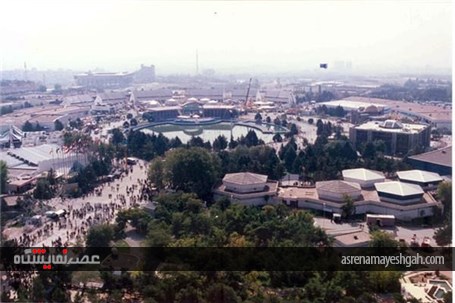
(197, 62)
(25, 71)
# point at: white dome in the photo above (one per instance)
(171, 102)
(153, 103)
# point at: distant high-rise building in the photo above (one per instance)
(145, 75)
(339, 65)
(104, 80)
(398, 138)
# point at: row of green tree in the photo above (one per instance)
(149, 146)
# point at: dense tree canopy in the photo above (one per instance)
(3, 176)
(43, 190)
(191, 170)
(443, 235)
(58, 125)
(257, 159)
(181, 220)
(29, 127)
(100, 236)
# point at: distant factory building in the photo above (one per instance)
(399, 138)
(114, 99)
(78, 100)
(366, 178)
(425, 179)
(439, 116)
(213, 94)
(348, 105)
(145, 95)
(104, 80)
(146, 74)
(279, 97)
(399, 192)
(437, 161)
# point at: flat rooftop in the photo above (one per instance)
(296, 193)
(164, 108)
(430, 111)
(351, 104)
(407, 128)
(103, 74)
(359, 238)
(441, 156)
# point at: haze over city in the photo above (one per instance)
(228, 36)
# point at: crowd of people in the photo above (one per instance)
(70, 228)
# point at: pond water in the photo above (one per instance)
(442, 284)
(206, 132)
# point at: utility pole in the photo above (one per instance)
(25, 71)
(197, 62)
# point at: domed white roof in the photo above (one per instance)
(153, 103)
(338, 186)
(399, 188)
(363, 174)
(419, 176)
(245, 178)
(171, 102)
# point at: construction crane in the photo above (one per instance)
(248, 92)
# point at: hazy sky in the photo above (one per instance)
(230, 36)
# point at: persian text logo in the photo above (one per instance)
(37, 256)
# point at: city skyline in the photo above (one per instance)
(228, 36)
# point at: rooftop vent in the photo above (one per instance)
(392, 124)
